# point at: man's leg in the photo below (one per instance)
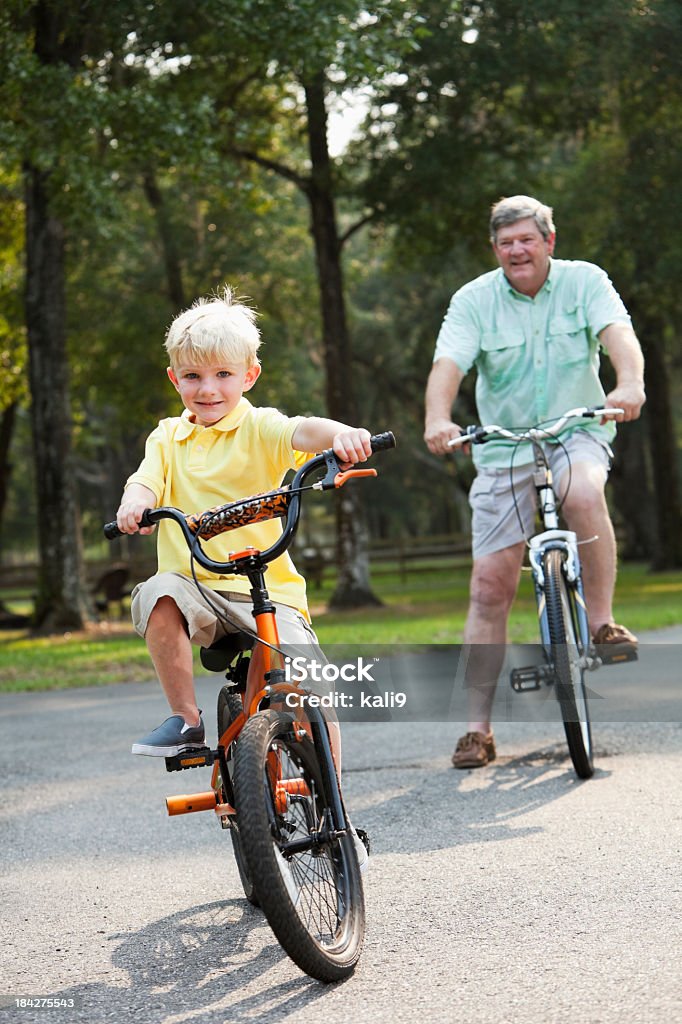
(494, 582)
(587, 515)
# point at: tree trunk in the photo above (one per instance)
(171, 260)
(662, 444)
(630, 482)
(353, 588)
(7, 419)
(62, 601)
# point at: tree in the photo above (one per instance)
(579, 104)
(61, 603)
(12, 332)
(292, 58)
(52, 112)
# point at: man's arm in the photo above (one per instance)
(441, 391)
(621, 343)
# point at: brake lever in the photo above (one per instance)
(337, 477)
(346, 474)
(328, 482)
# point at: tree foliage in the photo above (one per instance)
(180, 148)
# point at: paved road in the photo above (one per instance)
(515, 894)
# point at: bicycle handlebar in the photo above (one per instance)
(283, 502)
(477, 434)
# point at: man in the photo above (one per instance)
(532, 329)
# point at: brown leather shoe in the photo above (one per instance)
(474, 750)
(611, 633)
(614, 643)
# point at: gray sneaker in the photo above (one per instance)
(172, 737)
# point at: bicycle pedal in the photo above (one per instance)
(531, 677)
(201, 757)
(616, 654)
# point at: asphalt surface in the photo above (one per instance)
(510, 894)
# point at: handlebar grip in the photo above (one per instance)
(382, 442)
(111, 530)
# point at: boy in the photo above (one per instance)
(221, 449)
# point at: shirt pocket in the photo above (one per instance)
(568, 338)
(503, 353)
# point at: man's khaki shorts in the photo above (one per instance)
(497, 507)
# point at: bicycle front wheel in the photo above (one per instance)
(566, 656)
(229, 707)
(308, 886)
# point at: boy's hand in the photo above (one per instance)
(135, 500)
(351, 446)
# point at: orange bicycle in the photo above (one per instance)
(274, 783)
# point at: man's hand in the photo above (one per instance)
(625, 353)
(352, 445)
(441, 391)
(437, 434)
(629, 397)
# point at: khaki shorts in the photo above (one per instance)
(230, 613)
(496, 509)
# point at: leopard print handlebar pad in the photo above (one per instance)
(272, 505)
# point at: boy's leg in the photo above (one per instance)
(170, 614)
(170, 649)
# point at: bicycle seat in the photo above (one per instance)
(222, 653)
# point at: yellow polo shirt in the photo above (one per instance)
(194, 468)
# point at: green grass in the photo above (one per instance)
(426, 607)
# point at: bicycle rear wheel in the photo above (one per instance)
(566, 656)
(312, 897)
(229, 707)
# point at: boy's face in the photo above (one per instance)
(211, 391)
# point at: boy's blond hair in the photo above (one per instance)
(214, 330)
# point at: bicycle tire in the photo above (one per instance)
(569, 675)
(229, 707)
(313, 900)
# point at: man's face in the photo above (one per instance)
(523, 253)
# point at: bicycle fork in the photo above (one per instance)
(334, 825)
(532, 677)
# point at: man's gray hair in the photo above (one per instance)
(515, 208)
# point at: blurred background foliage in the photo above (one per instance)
(174, 146)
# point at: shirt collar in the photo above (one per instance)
(547, 286)
(230, 422)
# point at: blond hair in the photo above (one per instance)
(213, 330)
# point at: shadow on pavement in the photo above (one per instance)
(443, 808)
(197, 964)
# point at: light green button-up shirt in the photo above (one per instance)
(536, 358)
